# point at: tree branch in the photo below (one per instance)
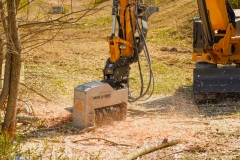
(41, 44)
(149, 148)
(3, 19)
(113, 143)
(35, 91)
(27, 24)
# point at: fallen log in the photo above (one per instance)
(26, 118)
(150, 147)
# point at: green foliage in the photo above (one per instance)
(66, 9)
(23, 5)
(235, 3)
(9, 149)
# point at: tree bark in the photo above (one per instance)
(1, 57)
(5, 90)
(14, 49)
(6, 81)
(17, 2)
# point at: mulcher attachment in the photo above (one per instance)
(210, 83)
(97, 103)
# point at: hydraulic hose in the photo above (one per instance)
(151, 76)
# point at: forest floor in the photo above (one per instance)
(209, 131)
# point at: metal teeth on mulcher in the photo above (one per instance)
(106, 115)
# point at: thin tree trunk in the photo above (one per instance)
(3, 19)
(15, 52)
(6, 80)
(17, 4)
(5, 90)
(1, 57)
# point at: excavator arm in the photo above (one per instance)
(131, 18)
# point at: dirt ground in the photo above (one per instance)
(210, 131)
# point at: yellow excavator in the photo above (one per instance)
(216, 50)
(102, 102)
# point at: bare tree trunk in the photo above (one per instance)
(17, 4)
(1, 57)
(6, 80)
(14, 51)
(5, 90)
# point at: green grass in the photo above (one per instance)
(172, 26)
(171, 73)
(8, 148)
(104, 21)
(13, 150)
(83, 26)
(165, 36)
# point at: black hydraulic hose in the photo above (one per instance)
(142, 82)
(141, 77)
(136, 54)
(151, 76)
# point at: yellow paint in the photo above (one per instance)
(217, 12)
(126, 14)
(115, 52)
